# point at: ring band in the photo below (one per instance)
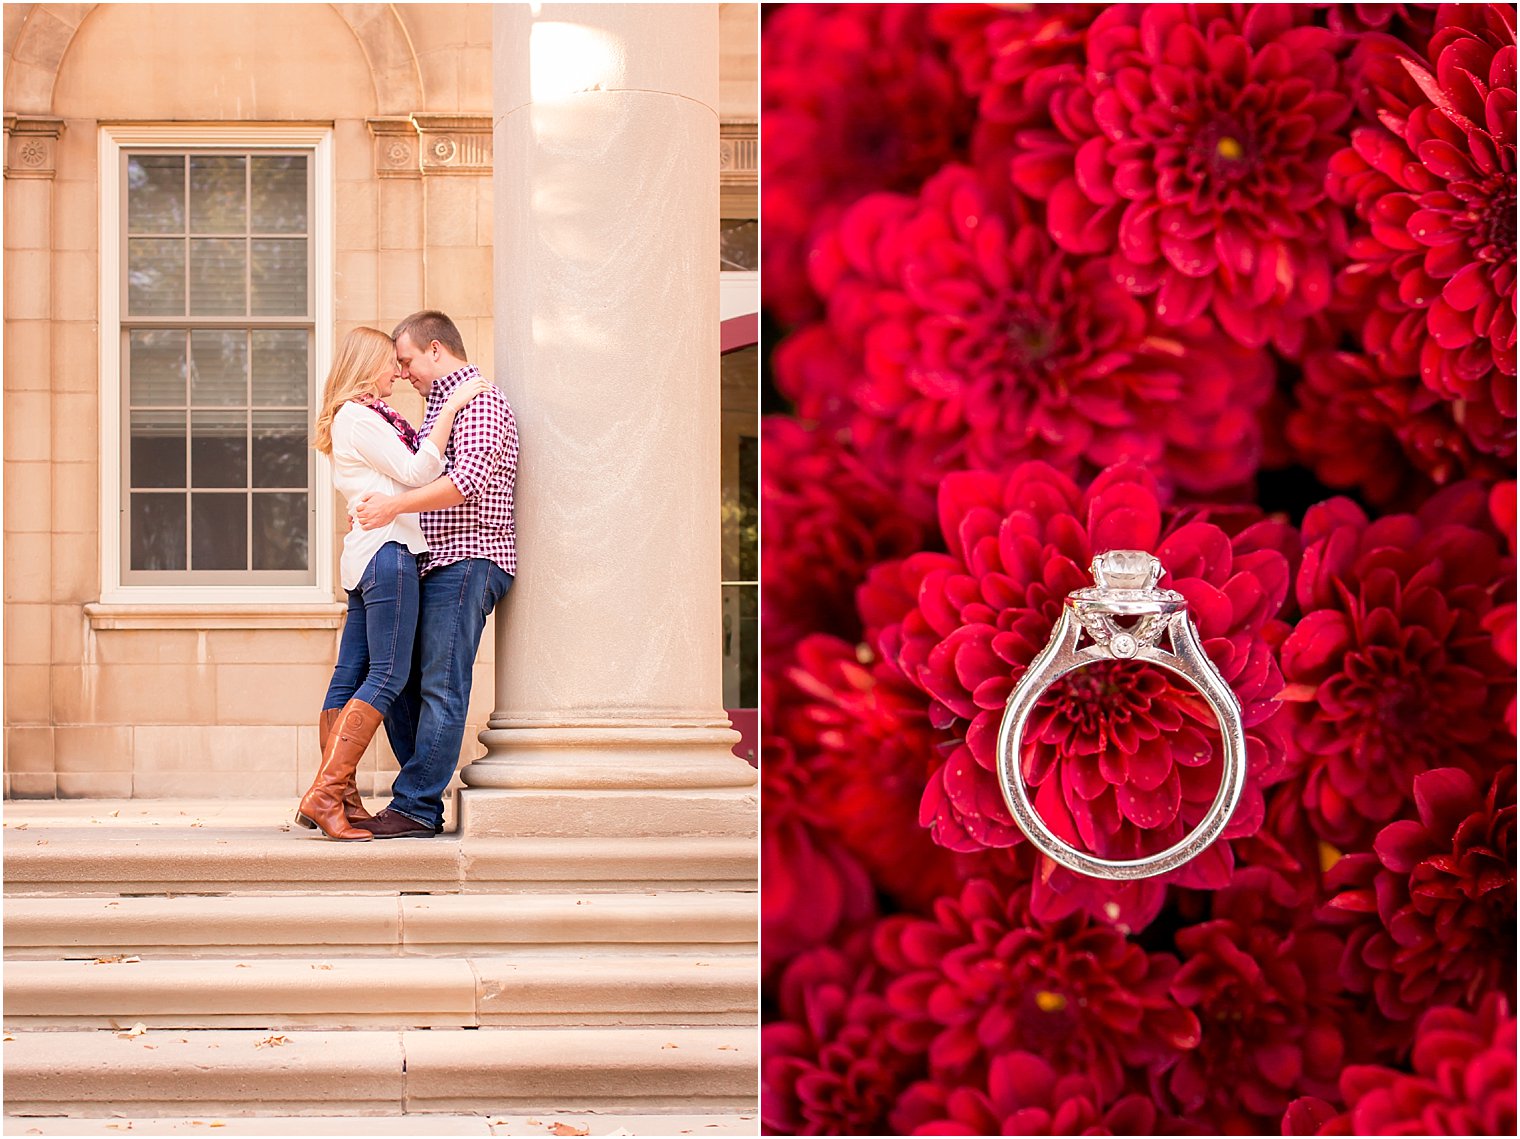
(1125, 586)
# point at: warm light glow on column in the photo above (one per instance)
(567, 59)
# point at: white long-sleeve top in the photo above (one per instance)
(368, 455)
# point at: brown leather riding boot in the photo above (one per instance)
(353, 805)
(323, 805)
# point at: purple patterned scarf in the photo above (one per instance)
(407, 432)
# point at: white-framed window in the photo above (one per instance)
(216, 327)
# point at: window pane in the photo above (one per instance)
(749, 513)
(156, 359)
(218, 276)
(279, 277)
(741, 649)
(739, 244)
(279, 194)
(158, 448)
(219, 531)
(219, 367)
(155, 276)
(218, 194)
(158, 531)
(156, 193)
(218, 449)
(279, 531)
(279, 448)
(280, 368)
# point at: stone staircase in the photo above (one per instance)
(170, 958)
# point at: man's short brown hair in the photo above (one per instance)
(429, 325)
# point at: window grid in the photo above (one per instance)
(188, 494)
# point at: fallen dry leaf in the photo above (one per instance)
(728, 1048)
(115, 814)
(273, 1042)
(22, 826)
(241, 965)
(137, 1029)
(324, 965)
(42, 842)
(664, 1046)
(568, 1129)
(8, 1036)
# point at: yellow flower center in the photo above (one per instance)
(1049, 1002)
(1230, 148)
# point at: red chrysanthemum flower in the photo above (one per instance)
(812, 888)
(985, 976)
(1501, 621)
(828, 1064)
(1122, 759)
(1390, 669)
(979, 344)
(826, 520)
(1194, 152)
(1390, 437)
(1013, 59)
(1463, 1083)
(1432, 266)
(1275, 1020)
(1026, 1096)
(854, 98)
(869, 745)
(1436, 901)
(1410, 22)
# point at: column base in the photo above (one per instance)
(614, 781)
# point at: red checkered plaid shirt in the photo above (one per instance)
(482, 461)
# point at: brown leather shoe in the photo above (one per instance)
(353, 805)
(323, 806)
(392, 824)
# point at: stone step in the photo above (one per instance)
(308, 1126)
(366, 1073)
(63, 860)
(380, 925)
(622, 812)
(372, 992)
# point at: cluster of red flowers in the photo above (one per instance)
(1234, 285)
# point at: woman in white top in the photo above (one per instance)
(373, 449)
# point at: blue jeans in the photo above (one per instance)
(375, 654)
(426, 725)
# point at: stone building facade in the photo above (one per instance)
(194, 665)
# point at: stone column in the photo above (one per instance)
(608, 715)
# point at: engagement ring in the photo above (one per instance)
(1124, 590)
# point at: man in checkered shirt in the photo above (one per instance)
(466, 517)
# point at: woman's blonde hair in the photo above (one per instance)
(363, 355)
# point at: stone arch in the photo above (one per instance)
(39, 49)
(48, 29)
(392, 60)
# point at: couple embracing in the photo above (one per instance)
(429, 552)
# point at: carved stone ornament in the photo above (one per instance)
(395, 142)
(416, 145)
(455, 144)
(31, 146)
(739, 154)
